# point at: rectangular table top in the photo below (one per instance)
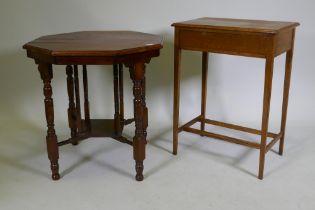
(241, 25)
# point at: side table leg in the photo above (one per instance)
(287, 79)
(265, 115)
(137, 72)
(71, 109)
(116, 100)
(86, 99)
(45, 70)
(77, 102)
(177, 60)
(121, 94)
(204, 88)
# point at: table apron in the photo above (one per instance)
(144, 57)
(246, 44)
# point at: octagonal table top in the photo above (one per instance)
(95, 43)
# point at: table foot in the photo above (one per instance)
(139, 170)
(55, 170)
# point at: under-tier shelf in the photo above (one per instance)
(99, 128)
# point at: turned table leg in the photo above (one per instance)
(137, 72)
(45, 70)
(77, 103)
(121, 94)
(71, 109)
(265, 115)
(117, 123)
(86, 99)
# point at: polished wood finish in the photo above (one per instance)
(253, 38)
(187, 127)
(141, 116)
(86, 98)
(77, 102)
(285, 101)
(46, 74)
(204, 78)
(117, 48)
(71, 109)
(222, 137)
(121, 94)
(94, 43)
(177, 73)
(237, 127)
(190, 123)
(265, 114)
(274, 141)
(236, 25)
(99, 128)
(116, 100)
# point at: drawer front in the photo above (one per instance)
(246, 44)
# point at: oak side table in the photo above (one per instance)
(253, 38)
(117, 48)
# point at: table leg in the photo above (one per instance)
(121, 94)
(137, 74)
(265, 115)
(287, 79)
(86, 99)
(204, 88)
(177, 60)
(71, 109)
(116, 100)
(45, 70)
(77, 102)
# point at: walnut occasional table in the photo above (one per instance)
(117, 48)
(253, 38)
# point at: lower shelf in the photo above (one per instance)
(99, 128)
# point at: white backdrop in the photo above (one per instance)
(235, 90)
